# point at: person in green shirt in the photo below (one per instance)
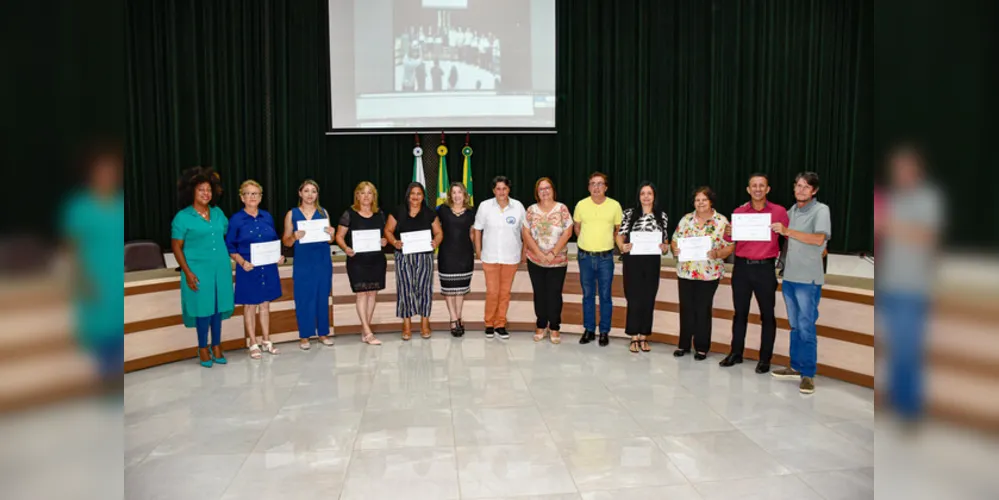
(93, 220)
(198, 242)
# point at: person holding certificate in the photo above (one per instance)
(754, 272)
(700, 248)
(807, 233)
(307, 228)
(360, 235)
(641, 242)
(456, 259)
(254, 245)
(415, 232)
(198, 243)
(499, 244)
(547, 229)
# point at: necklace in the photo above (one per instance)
(204, 215)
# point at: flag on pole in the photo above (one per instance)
(466, 170)
(418, 175)
(442, 178)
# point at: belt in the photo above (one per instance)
(596, 254)
(742, 260)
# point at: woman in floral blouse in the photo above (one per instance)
(698, 279)
(546, 234)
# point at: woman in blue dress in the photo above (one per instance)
(312, 268)
(256, 286)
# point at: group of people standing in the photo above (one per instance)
(502, 234)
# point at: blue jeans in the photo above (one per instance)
(903, 315)
(596, 275)
(802, 301)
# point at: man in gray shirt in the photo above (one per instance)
(910, 233)
(807, 232)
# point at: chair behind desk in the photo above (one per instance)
(143, 256)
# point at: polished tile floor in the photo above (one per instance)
(490, 419)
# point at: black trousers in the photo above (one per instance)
(758, 280)
(641, 284)
(547, 283)
(696, 304)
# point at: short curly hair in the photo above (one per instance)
(194, 177)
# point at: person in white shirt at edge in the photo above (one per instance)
(499, 245)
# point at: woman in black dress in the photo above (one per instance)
(456, 257)
(366, 270)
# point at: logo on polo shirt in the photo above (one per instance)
(511, 220)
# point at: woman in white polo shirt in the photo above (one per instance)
(498, 243)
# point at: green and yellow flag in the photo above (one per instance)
(442, 179)
(466, 172)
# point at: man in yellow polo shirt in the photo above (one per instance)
(597, 219)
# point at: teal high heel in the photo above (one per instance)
(221, 357)
(207, 363)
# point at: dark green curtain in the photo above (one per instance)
(680, 92)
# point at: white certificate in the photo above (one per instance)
(366, 240)
(645, 242)
(262, 254)
(417, 241)
(694, 248)
(751, 227)
(315, 230)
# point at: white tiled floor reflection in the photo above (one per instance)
(490, 419)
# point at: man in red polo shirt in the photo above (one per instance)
(754, 274)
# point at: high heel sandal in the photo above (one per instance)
(461, 328)
(454, 329)
(205, 357)
(254, 351)
(369, 338)
(407, 329)
(425, 330)
(217, 356)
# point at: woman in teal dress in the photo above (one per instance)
(198, 242)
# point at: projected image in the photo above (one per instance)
(439, 57)
(442, 63)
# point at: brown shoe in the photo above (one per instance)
(425, 330)
(786, 373)
(807, 386)
(407, 329)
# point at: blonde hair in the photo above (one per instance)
(308, 182)
(447, 201)
(374, 198)
(250, 182)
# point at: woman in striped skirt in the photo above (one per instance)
(413, 271)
